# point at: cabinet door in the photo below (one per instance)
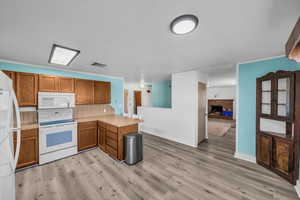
(87, 135)
(107, 92)
(28, 149)
(12, 76)
(48, 83)
(102, 92)
(66, 85)
(84, 90)
(282, 156)
(264, 150)
(284, 95)
(27, 88)
(265, 96)
(102, 137)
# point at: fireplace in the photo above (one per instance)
(220, 108)
(216, 109)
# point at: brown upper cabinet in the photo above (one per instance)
(27, 85)
(66, 84)
(102, 92)
(84, 91)
(48, 83)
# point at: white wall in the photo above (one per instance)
(179, 123)
(222, 77)
(146, 97)
(223, 92)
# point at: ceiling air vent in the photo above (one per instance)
(96, 64)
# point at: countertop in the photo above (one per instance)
(114, 120)
(29, 126)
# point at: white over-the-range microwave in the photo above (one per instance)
(48, 100)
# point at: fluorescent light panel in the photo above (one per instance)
(62, 55)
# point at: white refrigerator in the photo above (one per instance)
(9, 110)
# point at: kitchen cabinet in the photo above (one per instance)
(12, 76)
(27, 86)
(48, 83)
(84, 91)
(111, 138)
(87, 135)
(101, 135)
(102, 92)
(28, 149)
(66, 85)
(276, 136)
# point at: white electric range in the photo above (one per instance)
(57, 129)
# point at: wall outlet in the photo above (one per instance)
(104, 110)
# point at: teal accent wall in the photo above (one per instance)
(247, 98)
(161, 94)
(116, 84)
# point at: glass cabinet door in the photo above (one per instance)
(284, 86)
(283, 93)
(266, 97)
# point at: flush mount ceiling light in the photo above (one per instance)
(62, 55)
(184, 24)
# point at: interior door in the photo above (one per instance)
(125, 101)
(137, 100)
(201, 112)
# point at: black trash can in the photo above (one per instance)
(133, 148)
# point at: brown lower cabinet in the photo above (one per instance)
(87, 135)
(29, 153)
(110, 138)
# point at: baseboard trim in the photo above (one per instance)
(297, 188)
(245, 157)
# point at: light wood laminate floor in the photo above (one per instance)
(169, 171)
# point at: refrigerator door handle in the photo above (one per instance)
(18, 129)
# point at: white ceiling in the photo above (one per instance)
(133, 36)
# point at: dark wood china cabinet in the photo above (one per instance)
(276, 127)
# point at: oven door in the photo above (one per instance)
(56, 137)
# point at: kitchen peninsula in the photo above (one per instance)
(107, 132)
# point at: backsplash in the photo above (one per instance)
(29, 117)
(81, 111)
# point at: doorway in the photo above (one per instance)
(201, 112)
(137, 100)
(126, 101)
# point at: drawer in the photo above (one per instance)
(112, 143)
(112, 152)
(101, 124)
(111, 135)
(129, 129)
(112, 128)
(87, 125)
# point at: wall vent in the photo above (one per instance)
(96, 64)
